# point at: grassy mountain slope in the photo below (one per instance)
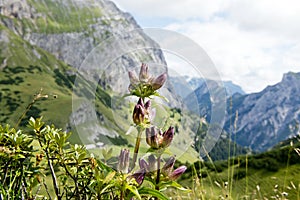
(271, 175)
(27, 69)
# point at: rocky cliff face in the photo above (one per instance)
(72, 29)
(267, 117)
(96, 39)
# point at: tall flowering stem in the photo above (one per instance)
(144, 86)
(158, 172)
(137, 146)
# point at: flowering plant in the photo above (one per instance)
(145, 86)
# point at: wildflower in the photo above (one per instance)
(152, 163)
(123, 163)
(141, 112)
(144, 76)
(153, 137)
(168, 166)
(177, 172)
(159, 81)
(156, 139)
(139, 176)
(149, 166)
(168, 137)
(144, 165)
(145, 85)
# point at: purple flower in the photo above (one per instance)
(168, 166)
(168, 137)
(145, 84)
(153, 137)
(139, 176)
(141, 112)
(144, 165)
(159, 81)
(152, 163)
(123, 163)
(177, 172)
(156, 139)
(144, 73)
(133, 78)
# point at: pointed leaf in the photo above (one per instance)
(134, 190)
(109, 177)
(152, 192)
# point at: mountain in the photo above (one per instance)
(78, 52)
(267, 117)
(185, 85)
(229, 86)
(259, 120)
(181, 85)
(232, 88)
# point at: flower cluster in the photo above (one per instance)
(156, 139)
(167, 170)
(145, 85)
(123, 167)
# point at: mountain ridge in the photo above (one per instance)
(257, 120)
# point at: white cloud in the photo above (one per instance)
(179, 9)
(251, 42)
(242, 56)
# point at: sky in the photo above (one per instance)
(251, 42)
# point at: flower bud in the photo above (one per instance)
(144, 73)
(143, 164)
(138, 115)
(139, 176)
(152, 163)
(153, 137)
(168, 137)
(148, 105)
(159, 81)
(141, 113)
(177, 172)
(168, 166)
(123, 163)
(133, 78)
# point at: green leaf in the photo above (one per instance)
(105, 189)
(109, 177)
(158, 95)
(134, 190)
(152, 192)
(173, 184)
(103, 166)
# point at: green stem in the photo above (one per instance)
(158, 173)
(137, 147)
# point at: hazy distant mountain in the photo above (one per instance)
(185, 85)
(230, 87)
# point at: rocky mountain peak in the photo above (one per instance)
(291, 77)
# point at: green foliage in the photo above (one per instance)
(28, 160)
(19, 172)
(58, 18)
